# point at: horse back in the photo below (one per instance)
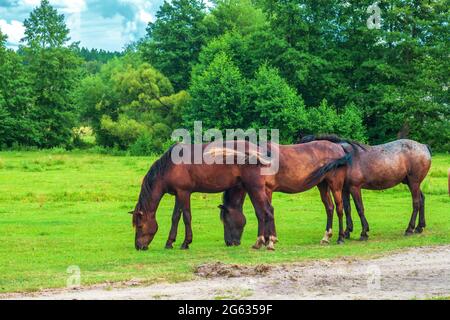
(384, 166)
(299, 162)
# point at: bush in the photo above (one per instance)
(153, 142)
(142, 146)
(121, 134)
(325, 120)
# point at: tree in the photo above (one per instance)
(175, 39)
(45, 28)
(234, 15)
(325, 120)
(17, 109)
(218, 96)
(54, 70)
(275, 105)
(130, 102)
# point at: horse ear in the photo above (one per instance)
(222, 207)
(131, 212)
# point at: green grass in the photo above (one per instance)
(61, 209)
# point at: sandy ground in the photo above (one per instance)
(418, 273)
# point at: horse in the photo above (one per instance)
(297, 162)
(382, 167)
(181, 179)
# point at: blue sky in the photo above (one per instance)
(107, 24)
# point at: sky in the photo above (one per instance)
(101, 24)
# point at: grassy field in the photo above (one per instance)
(63, 209)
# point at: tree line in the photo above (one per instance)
(301, 66)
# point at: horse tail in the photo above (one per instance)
(317, 175)
(429, 149)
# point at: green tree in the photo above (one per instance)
(17, 111)
(218, 96)
(175, 39)
(234, 15)
(130, 104)
(325, 119)
(54, 70)
(45, 28)
(275, 105)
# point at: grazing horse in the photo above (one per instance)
(184, 178)
(382, 167)
(297, 162)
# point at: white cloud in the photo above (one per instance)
(65, 6)
(15, 31)
(95, 23)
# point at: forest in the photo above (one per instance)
(300, 66)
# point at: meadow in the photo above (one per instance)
(60, 209)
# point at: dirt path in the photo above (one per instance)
(417, 273)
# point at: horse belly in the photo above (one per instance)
(384, 174)
(215, 178)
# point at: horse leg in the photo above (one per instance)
(272, 226)
(348, 213)
(185, 202)
(357, 198)
(422, 224)
(263, 209)
(416, 197)
(174, 229)
(329, 208)
(337, 194)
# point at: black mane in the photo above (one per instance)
(158, 169)
(335, 139)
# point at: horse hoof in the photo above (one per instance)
(409, 233)
(184, 247)
(340, 242)
(418, 230)
(256, 247)
(364, 238)
(347, 235)
(169, 246)
(324, 242)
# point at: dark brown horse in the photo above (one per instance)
(383, 167)
(297, 163)
(183, 179)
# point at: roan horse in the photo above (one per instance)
(383, 167)
(297, 162)
(183, 179)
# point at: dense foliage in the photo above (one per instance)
(301, 66)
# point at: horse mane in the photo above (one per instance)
(335, 139)
(158, 169)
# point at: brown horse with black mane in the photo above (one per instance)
(297, 162)
(183, 179)
(383, 167)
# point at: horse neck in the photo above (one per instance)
(234, 198)
(151, 202)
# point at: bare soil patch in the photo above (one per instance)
(418, 273)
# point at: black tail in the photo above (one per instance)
(430, 150)
(315, 178)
